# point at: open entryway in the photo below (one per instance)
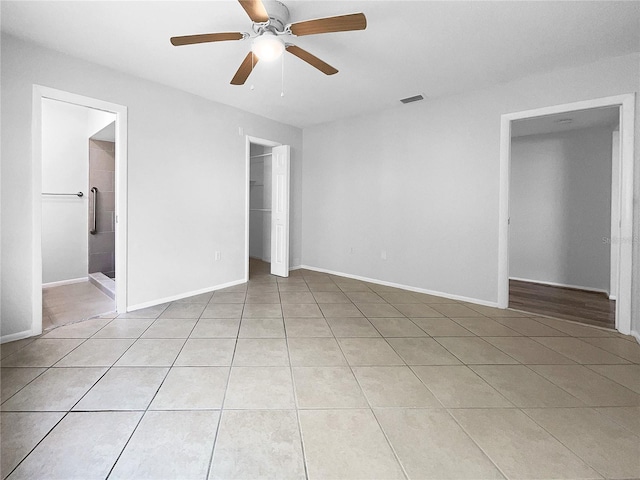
(267, 238)
(79, 199)
(566, 198)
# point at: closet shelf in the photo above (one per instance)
(260, 209)
(254, 184)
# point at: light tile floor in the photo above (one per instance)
(317, 376)
(67, 304)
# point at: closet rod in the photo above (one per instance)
(261, 155)
(79, 194)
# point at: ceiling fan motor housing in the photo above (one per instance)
(278, 14)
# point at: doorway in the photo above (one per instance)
(600, 266)
(79, 208)
(563, 213)
(267, 221)
(260, 163)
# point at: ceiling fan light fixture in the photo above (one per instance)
(267, 47)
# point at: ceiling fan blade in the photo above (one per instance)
(311, 60)
(342, 23)
(205, 38)
(248, 64)
(255, 9)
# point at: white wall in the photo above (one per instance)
(187, 179)
(422, 182)
(560, 208)
(65, 169)
(97, 120)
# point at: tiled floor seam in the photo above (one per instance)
(150, 402)
(592, 371)
(628, 362)
(395, 455)
(224, 396)
(36, 445)
(486, 454)
(526, 336)
(610, 379)
(295, 404)
(67, 412)
(15, 393)
(585, 460)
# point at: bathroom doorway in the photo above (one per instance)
(79, 201)
(78, 204)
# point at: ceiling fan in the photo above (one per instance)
(269, 30)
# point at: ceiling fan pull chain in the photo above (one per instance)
(252, 67)
(282, 91)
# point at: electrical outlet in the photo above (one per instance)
(240, 131)
(216, 256)
(383, 255)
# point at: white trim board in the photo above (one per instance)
(403, 287)
(563, 285)
(65, 282)
(626, 103)
(180, 296)
(38, 94)
(12, 337)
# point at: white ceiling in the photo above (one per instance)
(409, 47)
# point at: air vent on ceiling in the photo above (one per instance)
(415, 98)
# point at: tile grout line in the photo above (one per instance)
(144, 413)
(484, 452)
(226, 389)
(38, 443)
(584, 460)
(80, 399)
(393, 451)
(295, 398)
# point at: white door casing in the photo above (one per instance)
(615, 212)
(40, 92)
(280, 211)
(624, 244)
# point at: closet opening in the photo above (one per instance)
(260, 163)
(267, 220)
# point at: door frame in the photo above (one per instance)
(39, 93)
(248, 141)
(624, 245)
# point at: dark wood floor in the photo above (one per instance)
(593, 308)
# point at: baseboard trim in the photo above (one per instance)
(65, 282)
(563, 285)
(12, 337)
(461, 298)
(635, 335)
(173, 298)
